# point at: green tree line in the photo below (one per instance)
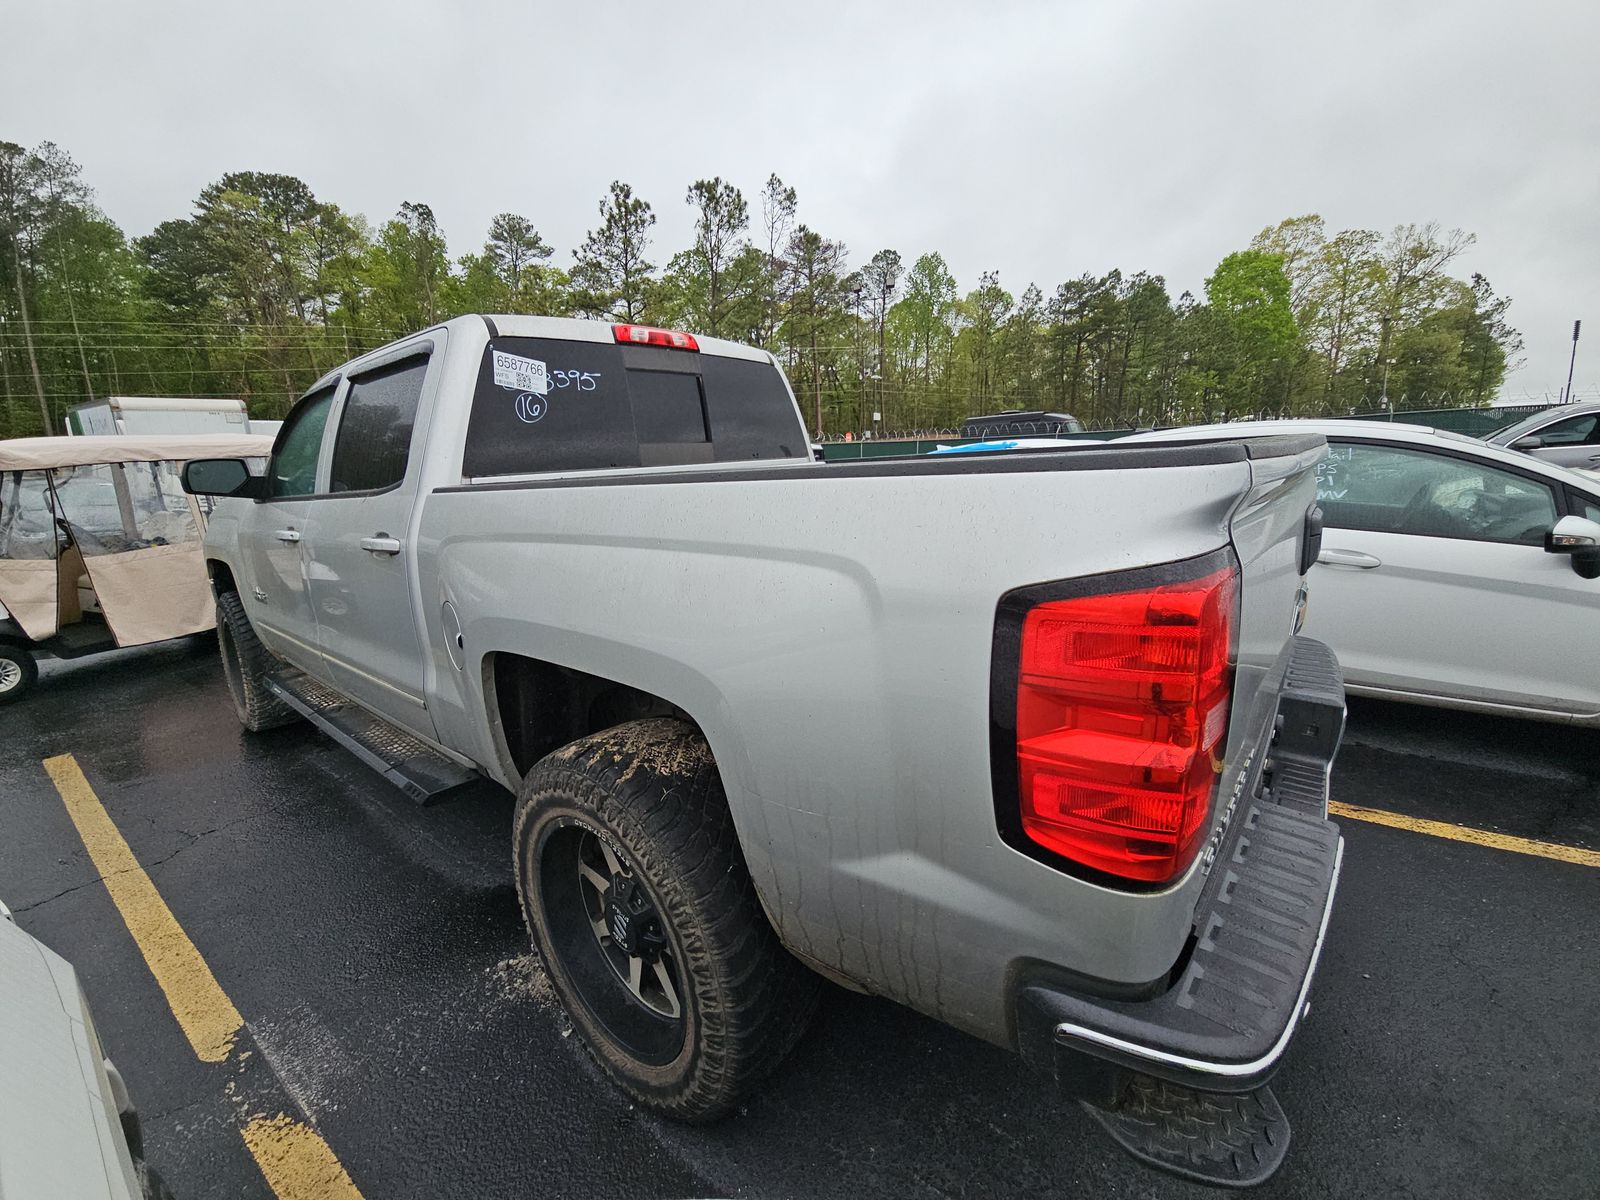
(264, 286)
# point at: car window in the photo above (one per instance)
(374, 440)
(293, 469)
(1394, 490)
(1574, 431)
(544, 404)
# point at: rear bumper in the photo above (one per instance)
(1229, 1015)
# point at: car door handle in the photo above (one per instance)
(381, 544)
(287, 535)
(1348, 558)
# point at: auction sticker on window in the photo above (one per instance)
(520, 374)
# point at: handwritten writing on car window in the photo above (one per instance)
(1332, 473)
(583, 381)
(533, 405)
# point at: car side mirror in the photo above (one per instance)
(1579, 537)
(1532, 442)
(222, 477)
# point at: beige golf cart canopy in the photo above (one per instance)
(44, 453)
(99, 528)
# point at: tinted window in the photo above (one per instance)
(667, 408)
(750, 411)
(549, 405)
(374, 441)
(293, 470)
(1433, 495)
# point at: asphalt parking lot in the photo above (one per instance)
(376, 954)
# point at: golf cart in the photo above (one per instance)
(100, 546)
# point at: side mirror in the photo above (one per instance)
(1525, 444)
(1579, 537)
(222, 477)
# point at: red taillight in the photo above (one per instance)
(1122, 711)
(649, 335)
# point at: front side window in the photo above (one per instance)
(374, 441)
(1390, 490)
(293, 469)
(1574, 431)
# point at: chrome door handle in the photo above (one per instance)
(287, 535)
(1348, 558)
(381, 545)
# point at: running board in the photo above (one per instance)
(414, 767)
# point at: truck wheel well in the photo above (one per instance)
(542, 706)
(221, 577)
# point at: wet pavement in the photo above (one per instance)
(377, 955)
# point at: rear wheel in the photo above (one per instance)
(246, 663)
(639, 902)
(18, 673)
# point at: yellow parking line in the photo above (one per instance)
(1465, 833)
(297, 1162)
(208, 1018)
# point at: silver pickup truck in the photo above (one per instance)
(1024, 741)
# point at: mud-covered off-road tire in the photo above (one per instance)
(18, 673)
(650, 790)
(246, 664)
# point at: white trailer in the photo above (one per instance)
(158, 415)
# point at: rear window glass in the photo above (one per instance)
(550, 405)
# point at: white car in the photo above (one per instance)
(1452, 572)
(67, 1127)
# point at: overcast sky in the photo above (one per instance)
(1041, 139)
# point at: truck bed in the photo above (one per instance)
(830, 627)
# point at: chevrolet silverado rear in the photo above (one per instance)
(1027, 742)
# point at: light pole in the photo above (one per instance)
(1573, 361)
(861, 364)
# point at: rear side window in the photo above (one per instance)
(374, 442)
(549, 405)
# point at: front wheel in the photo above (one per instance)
(638, 899)
(18, 673)
(246, 664)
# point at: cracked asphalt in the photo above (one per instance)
(377, 954)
